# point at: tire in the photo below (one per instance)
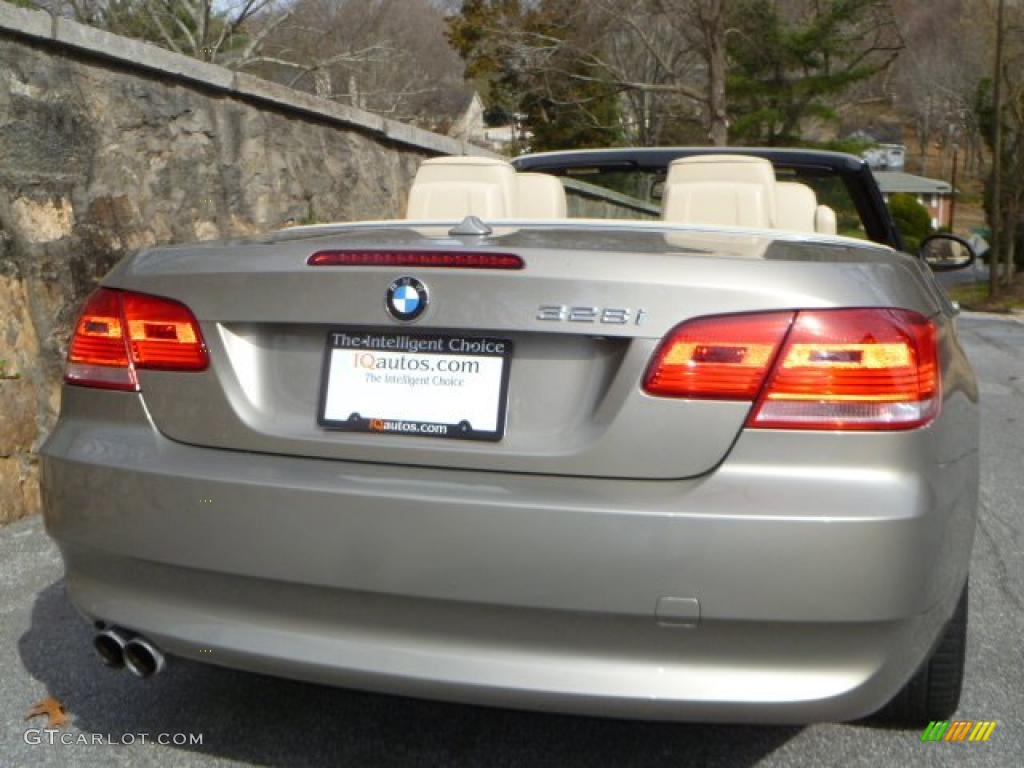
(933, 693)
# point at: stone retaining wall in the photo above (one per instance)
(108, 145)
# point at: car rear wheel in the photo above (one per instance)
(933, 693)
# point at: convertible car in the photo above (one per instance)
(660, 433)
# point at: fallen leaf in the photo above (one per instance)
(53, 709)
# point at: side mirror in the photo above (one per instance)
(944, 253)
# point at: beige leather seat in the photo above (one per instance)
(797, 208)
(720, 190)
(796, 205)
(455, 187)
(540, 197)
(825, 220)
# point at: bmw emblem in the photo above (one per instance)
(406, 299)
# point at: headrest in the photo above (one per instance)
(825, 220)
(540, 197)
(795, 206)
(455, 187)
(720, 190)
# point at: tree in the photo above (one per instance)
(911, 219)
(1005, 209)
(758, 67)
(668, 58)
(790, 60)
(656, 66)
(525, 61)
(710, 18)
(220, 31)
(934, 82)
(387, 56)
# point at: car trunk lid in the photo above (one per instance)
(583, 318)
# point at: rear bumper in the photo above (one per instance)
(824, 567)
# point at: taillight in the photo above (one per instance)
(98, 356)
(853, 369)
(162, 334)
(836, 369)
(121, 331)
(723, 357)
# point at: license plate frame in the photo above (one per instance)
(432, 348)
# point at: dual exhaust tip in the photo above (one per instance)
(119, 649)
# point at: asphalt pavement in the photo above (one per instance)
(246, 719)
(977, 272)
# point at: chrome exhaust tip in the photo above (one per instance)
(109, 645)
(143, 658)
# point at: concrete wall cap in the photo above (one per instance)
(137, 54)
(25, 22)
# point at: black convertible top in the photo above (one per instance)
(854, 172)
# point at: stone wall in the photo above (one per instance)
(108, 145)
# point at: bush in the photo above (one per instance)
(912, 220)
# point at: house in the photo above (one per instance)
(886, 157)
(490, 129)
(469, 125)
(934, 194)
(887, 151)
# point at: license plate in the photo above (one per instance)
(428, 386)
